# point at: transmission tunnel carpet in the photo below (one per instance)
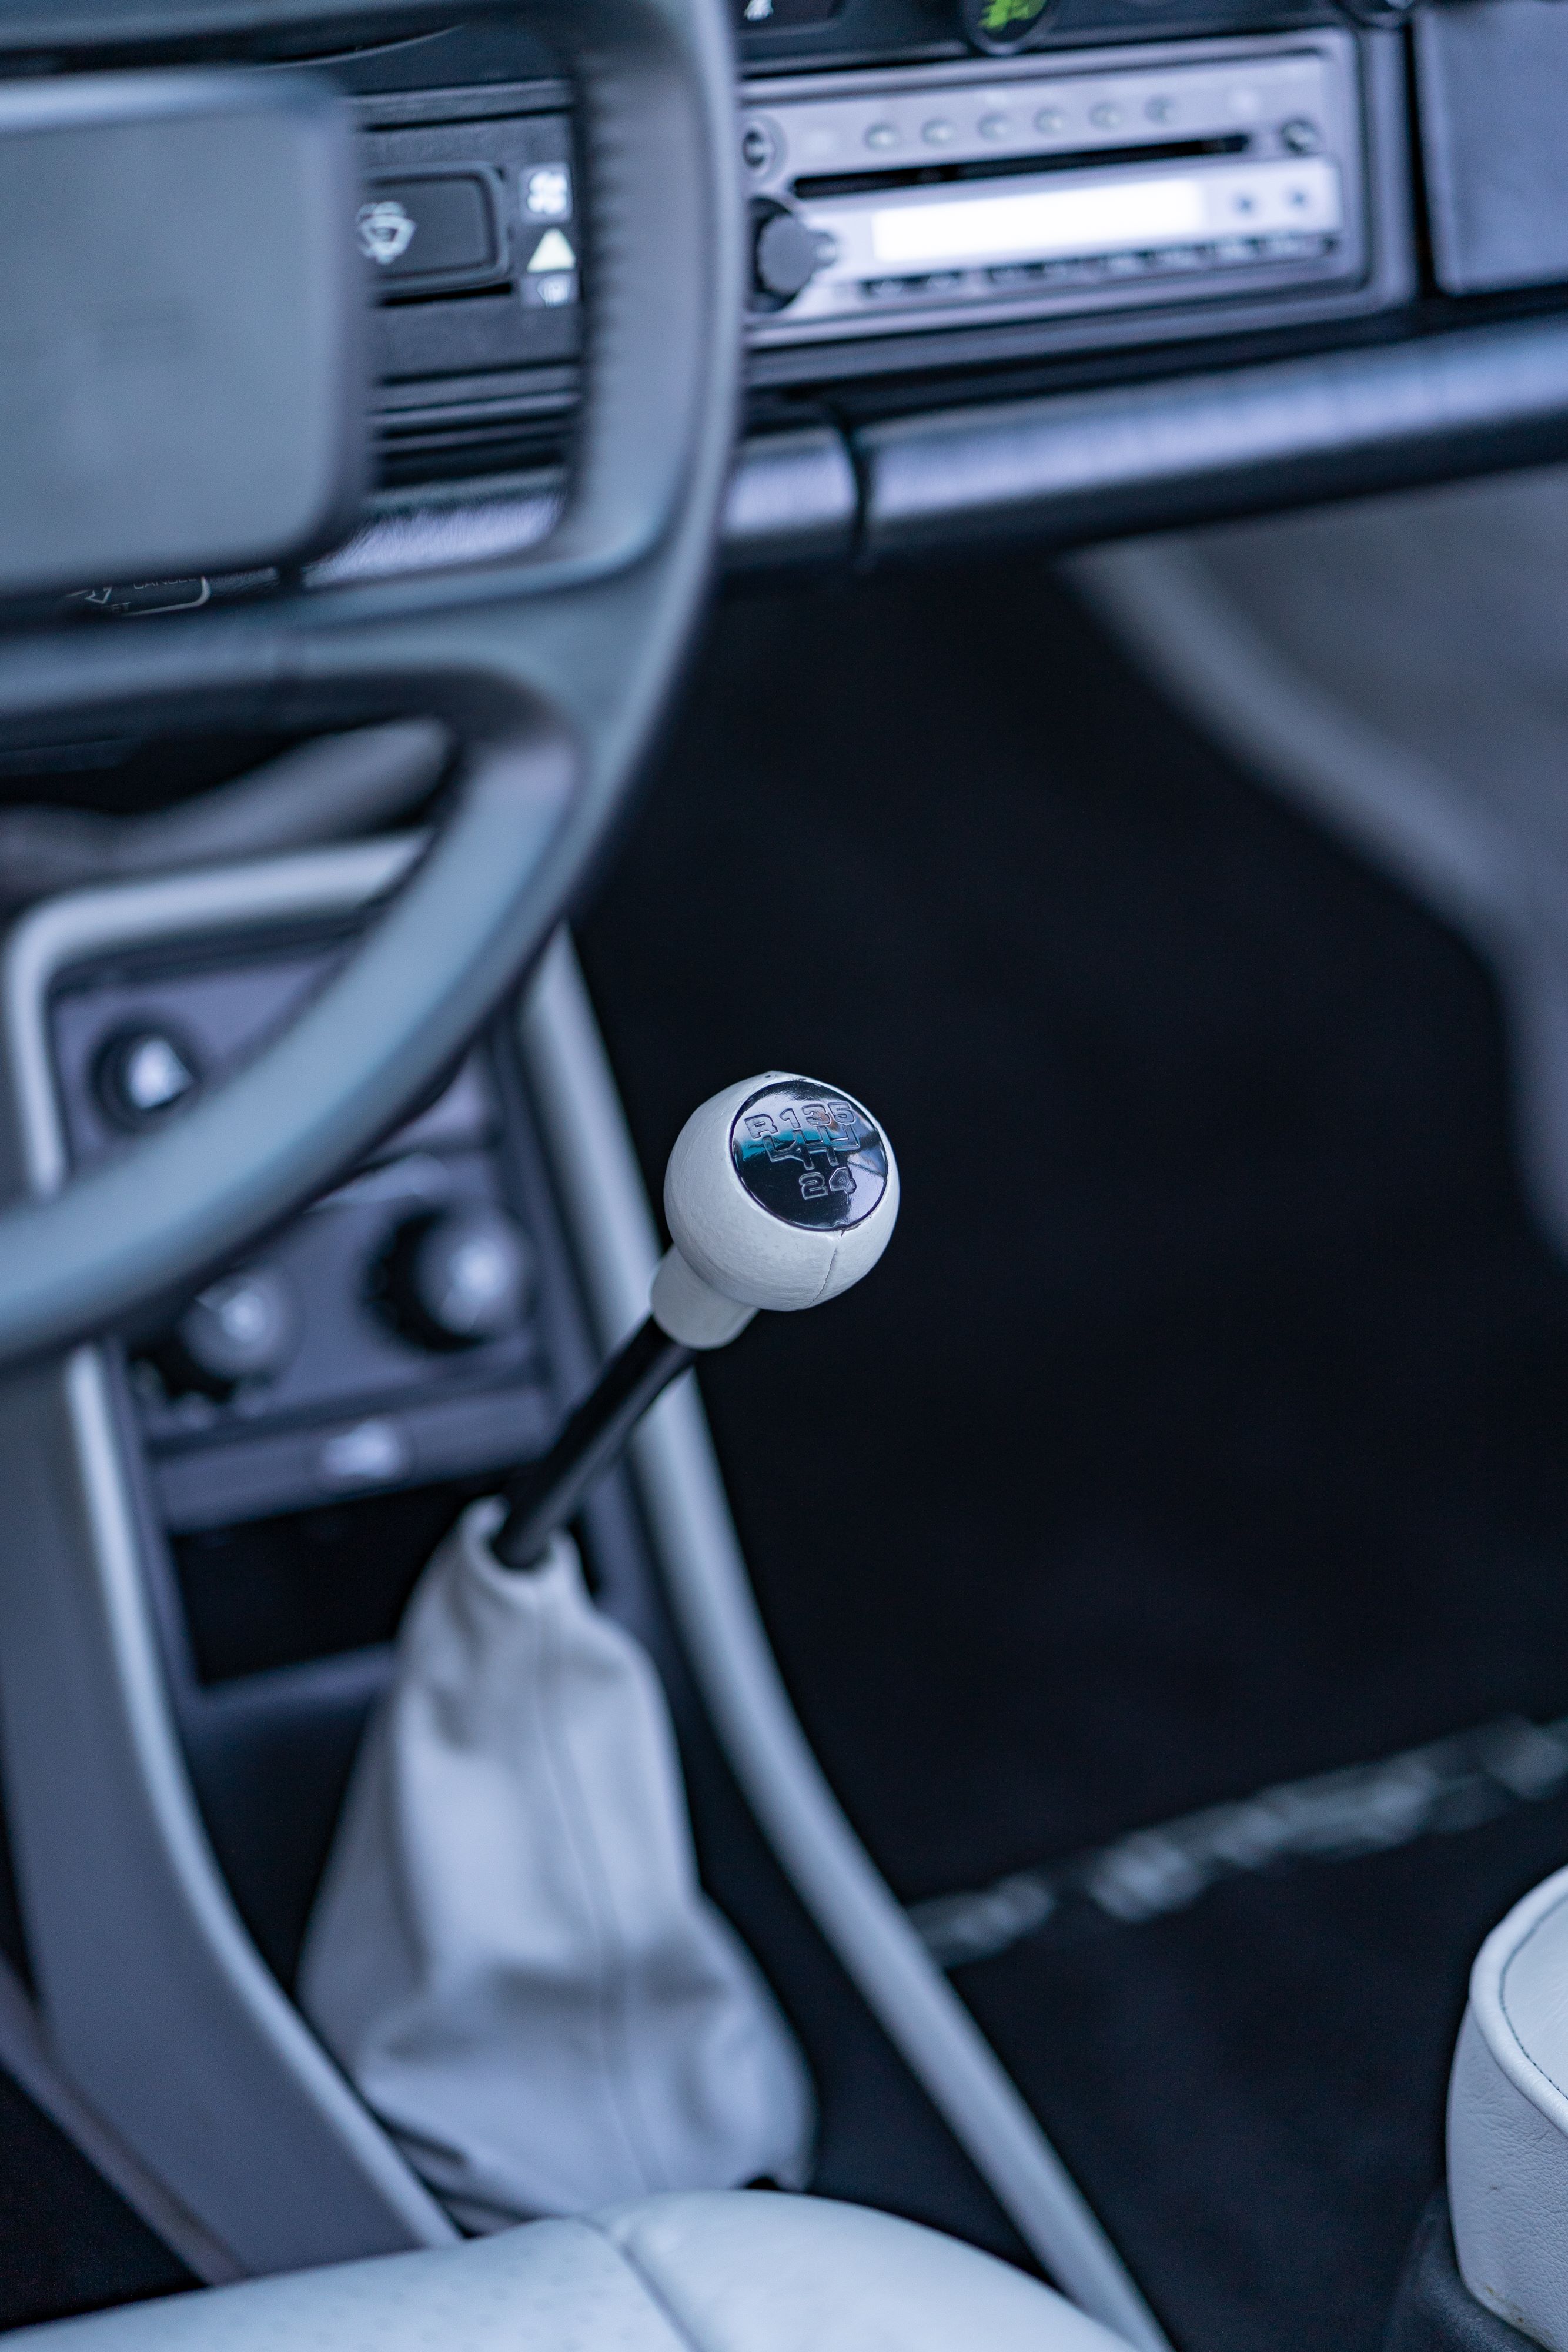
(1203, 1429)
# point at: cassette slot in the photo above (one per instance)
(821, 186)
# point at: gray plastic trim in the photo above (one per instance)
(156, 2004)
(25, 2056)
(88, 923)
(1490, 84)
(700, 1554)
(1160, 598)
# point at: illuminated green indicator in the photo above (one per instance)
(997, 14)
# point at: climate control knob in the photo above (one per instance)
(243, 1328)
(457, 1277)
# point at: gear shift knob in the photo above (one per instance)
(780, 1193)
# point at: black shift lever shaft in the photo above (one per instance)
(781, 1193)
(549, 1492)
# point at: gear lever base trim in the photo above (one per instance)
(691, 1309)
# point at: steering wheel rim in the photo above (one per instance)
(551, 669)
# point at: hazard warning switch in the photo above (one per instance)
(550, 278)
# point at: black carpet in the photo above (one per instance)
(1207, 1423)
(68, 2243)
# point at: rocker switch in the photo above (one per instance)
(428, 231)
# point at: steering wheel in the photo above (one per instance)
(551, 669)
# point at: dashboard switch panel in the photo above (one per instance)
(392, 1334)
(469, 231)
(1009, 189)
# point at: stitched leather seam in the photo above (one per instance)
(648, 2284)
(1527, 2054)
(612, 1975)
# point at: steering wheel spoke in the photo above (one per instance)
(550, 670)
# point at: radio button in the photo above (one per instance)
(759, 146)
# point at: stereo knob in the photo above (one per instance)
(457, 1277)
(786, 255)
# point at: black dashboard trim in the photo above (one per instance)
(1102, 465)
(793, 499)
(1069, 469)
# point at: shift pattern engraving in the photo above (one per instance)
(808, 1156)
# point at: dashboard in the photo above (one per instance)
(1073, 269)
(1076, 268)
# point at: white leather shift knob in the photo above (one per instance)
(780, 1193)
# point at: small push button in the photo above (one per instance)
(430, 231)
(141, 1075)
(372, 1454)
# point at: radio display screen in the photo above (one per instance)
(1103, 217)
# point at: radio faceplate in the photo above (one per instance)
(1002, 190)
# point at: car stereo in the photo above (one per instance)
(1007, 189)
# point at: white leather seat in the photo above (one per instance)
(1507, 2120)
(739, 2272)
